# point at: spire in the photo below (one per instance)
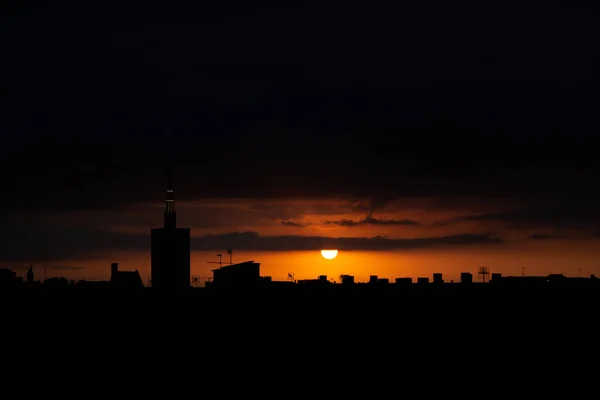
(170, 215)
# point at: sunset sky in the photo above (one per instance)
(424, 138)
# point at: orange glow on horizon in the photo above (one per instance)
(535, 259)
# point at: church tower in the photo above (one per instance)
(170, 248)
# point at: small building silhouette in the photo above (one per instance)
(30, 275)
(9, 278)
(124, 279)
(241, 274)
(319, 282)
(466, 277)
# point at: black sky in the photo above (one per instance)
(362, 99)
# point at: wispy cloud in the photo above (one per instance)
(254, 241)
(369, 220)
(559, 215)
(293, 224)
(543, 236)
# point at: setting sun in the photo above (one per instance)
(329, 254)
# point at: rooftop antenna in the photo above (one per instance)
(522, 271)
(483, 272)
(220, 262)
(291, 276)
(230, 252)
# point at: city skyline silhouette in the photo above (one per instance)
(427, 140)
(170, 269)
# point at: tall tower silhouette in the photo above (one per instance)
(170, 247)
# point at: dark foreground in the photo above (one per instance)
(385, 335)
(309, 305)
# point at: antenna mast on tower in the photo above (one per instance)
(170, 215)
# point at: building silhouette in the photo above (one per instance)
(125, 279)
(9, 278)
(30, 275)
(170, 249)
(237, 275)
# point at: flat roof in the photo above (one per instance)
(245, 263)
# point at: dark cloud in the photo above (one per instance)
(366, 102)
(44, 240)
(371, 221)
(543, 236)
(38, 239)
(294, 224)
(559, 213)
(342, 222)
(377, 221)
(370, 205)
(254, 241)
